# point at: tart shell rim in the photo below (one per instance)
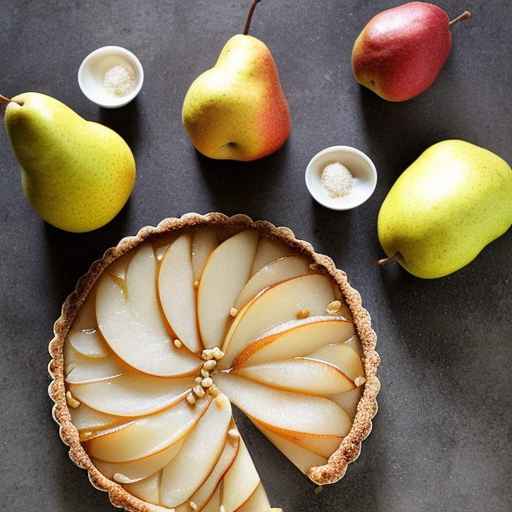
(350, 447)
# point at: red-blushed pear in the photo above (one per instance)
(400, 52)
(237, 110)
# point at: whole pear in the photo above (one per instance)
(76, 174)
(237, 110)
(445, 208)
(401, 51)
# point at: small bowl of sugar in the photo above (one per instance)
(111, 76)
(341, 177)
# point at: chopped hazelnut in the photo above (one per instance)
(233, 312)
(217, 353)
(359, 381)
(72, 401)
(198, 391)
(213, 391)
(303, 313)
(233, 433)
(210, 365)
(191, 399)
(207, 382)
(333, 307)
(177, 343)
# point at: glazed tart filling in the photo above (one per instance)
(179, 329)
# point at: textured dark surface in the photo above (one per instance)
(442, 440)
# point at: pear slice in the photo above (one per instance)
(278, 304)
(84, 336)
(198, 455)
(283, 411)
(204, 242)
(147, 490)
(225, 274)
(258, 502)
(269, 250)
(131, 394)
(295, 339)
(355, 344)
(272, 273)
(85, 419)
(118, 268)
(177, 294)
(213, 504)
(349, 400)
(300, 374)
(300, 457)
(146, 436)
(240, 481)
(131, 322)
(134, 471)
(202, 496)
(81, 369)
(343, 357)
(324, 446)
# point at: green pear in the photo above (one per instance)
(445, 208)
(237, 110)
(76, 174)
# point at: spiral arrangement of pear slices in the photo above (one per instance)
(175, 332)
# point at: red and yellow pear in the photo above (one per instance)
(237, 109)
(401, 51)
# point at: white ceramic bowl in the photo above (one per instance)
(361, 167)
(92, 72)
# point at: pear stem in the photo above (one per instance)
(4, 100)
(249, 16)
(395, 258)
(461, 17)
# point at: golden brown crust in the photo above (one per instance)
(350, 447)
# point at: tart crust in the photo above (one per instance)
(350, 447)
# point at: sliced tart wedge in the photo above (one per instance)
(343, 357)
(84, 336)
(225, 274)
(269, 250)
(203, 446)
(86, 419)
(204, 242)
(302, 296)
(203, 495)
(240, 481)
(148, 435)
(283, 411)
(349, 400)
(274, 272)
(140, 469)
(131, 394)
(81, 369)
(295, 339)
(146, 490)
(132, 324)
(177, 293)
(258, 502)
(300, 457)
(300, 374)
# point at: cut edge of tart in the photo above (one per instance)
(350, 446)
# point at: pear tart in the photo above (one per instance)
(174, 326)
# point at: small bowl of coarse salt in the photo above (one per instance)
(341, 177)
(111, 76)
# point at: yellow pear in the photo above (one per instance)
(76, 174)
(237, 110)
(445, 208)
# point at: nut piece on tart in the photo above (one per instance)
(185, 324)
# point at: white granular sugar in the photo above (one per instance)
(337, 180)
